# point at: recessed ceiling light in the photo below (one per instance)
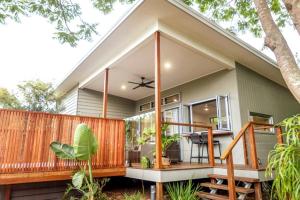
(123, 87)
(168, 65)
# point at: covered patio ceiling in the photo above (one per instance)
(179, 64)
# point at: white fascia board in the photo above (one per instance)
(118, 57)
(222, 31)
(198, 47)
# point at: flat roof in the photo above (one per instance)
(146, 17)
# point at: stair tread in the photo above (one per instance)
(237, 178)
(212, 196)
(225, 187)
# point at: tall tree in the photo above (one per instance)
(257, 16)
(33, 96)
(8, 100)
(39, 96)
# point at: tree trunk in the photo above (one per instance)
(293, 7)
(277, 43)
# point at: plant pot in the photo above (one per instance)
(165, 161)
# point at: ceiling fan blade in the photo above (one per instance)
(148, 86)
(133, 82)
(136, 87)
(149, 82)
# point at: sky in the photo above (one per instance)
(28, 51)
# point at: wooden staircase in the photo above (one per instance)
(219, 185)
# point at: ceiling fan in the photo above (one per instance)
(142, 83)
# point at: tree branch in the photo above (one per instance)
(293, 7)
(277, 43)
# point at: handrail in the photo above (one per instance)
(235, 141)
(253, 154)
(187, 124)
(210, 139)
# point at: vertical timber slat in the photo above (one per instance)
(105, 94)
(32, 133)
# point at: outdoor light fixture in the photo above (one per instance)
(168, 65)
(206, 107)
(123, 87)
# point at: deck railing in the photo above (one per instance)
(25, 138)
(228, 156)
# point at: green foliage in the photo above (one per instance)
(145, 162)
(83, 148)
(85, 144)
(135, 196)
(63, 151)
(182, 191)
(33, 96)
(285, 161)
(8, 100)
(39, 96)
(64, 14)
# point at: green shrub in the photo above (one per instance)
(145, 162)
(135, 196)
(182, 191)
(285, 161)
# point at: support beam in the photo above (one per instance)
(105, 93)
(159, 191)
(211, 154)
(230, 175)
(279, 135)
(158, 145)
(258, 192)
(253, 153)
(7, 193)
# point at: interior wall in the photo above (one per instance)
(208, 87)
(261, 95)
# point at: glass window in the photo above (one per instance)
(223, 113)
(146, 106)
(172, 99)
(171, 115)
(215, 112)
(262, 118)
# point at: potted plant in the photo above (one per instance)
(166, 140)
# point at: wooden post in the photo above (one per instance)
(158, 145)
(159, 191)
(7, 192)
(253, 153)
(245, 150)
(279, 135)
(105, 93)
(210, 141)
(258, 192)
(230, 176)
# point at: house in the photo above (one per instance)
(208, 76)
(191, 73)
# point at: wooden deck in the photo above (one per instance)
(187, 165)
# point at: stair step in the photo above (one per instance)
(237, 178)
(212, 196)
(225, 187)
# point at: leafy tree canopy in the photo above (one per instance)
(66, 15)
(32, 95)
(8, 100)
